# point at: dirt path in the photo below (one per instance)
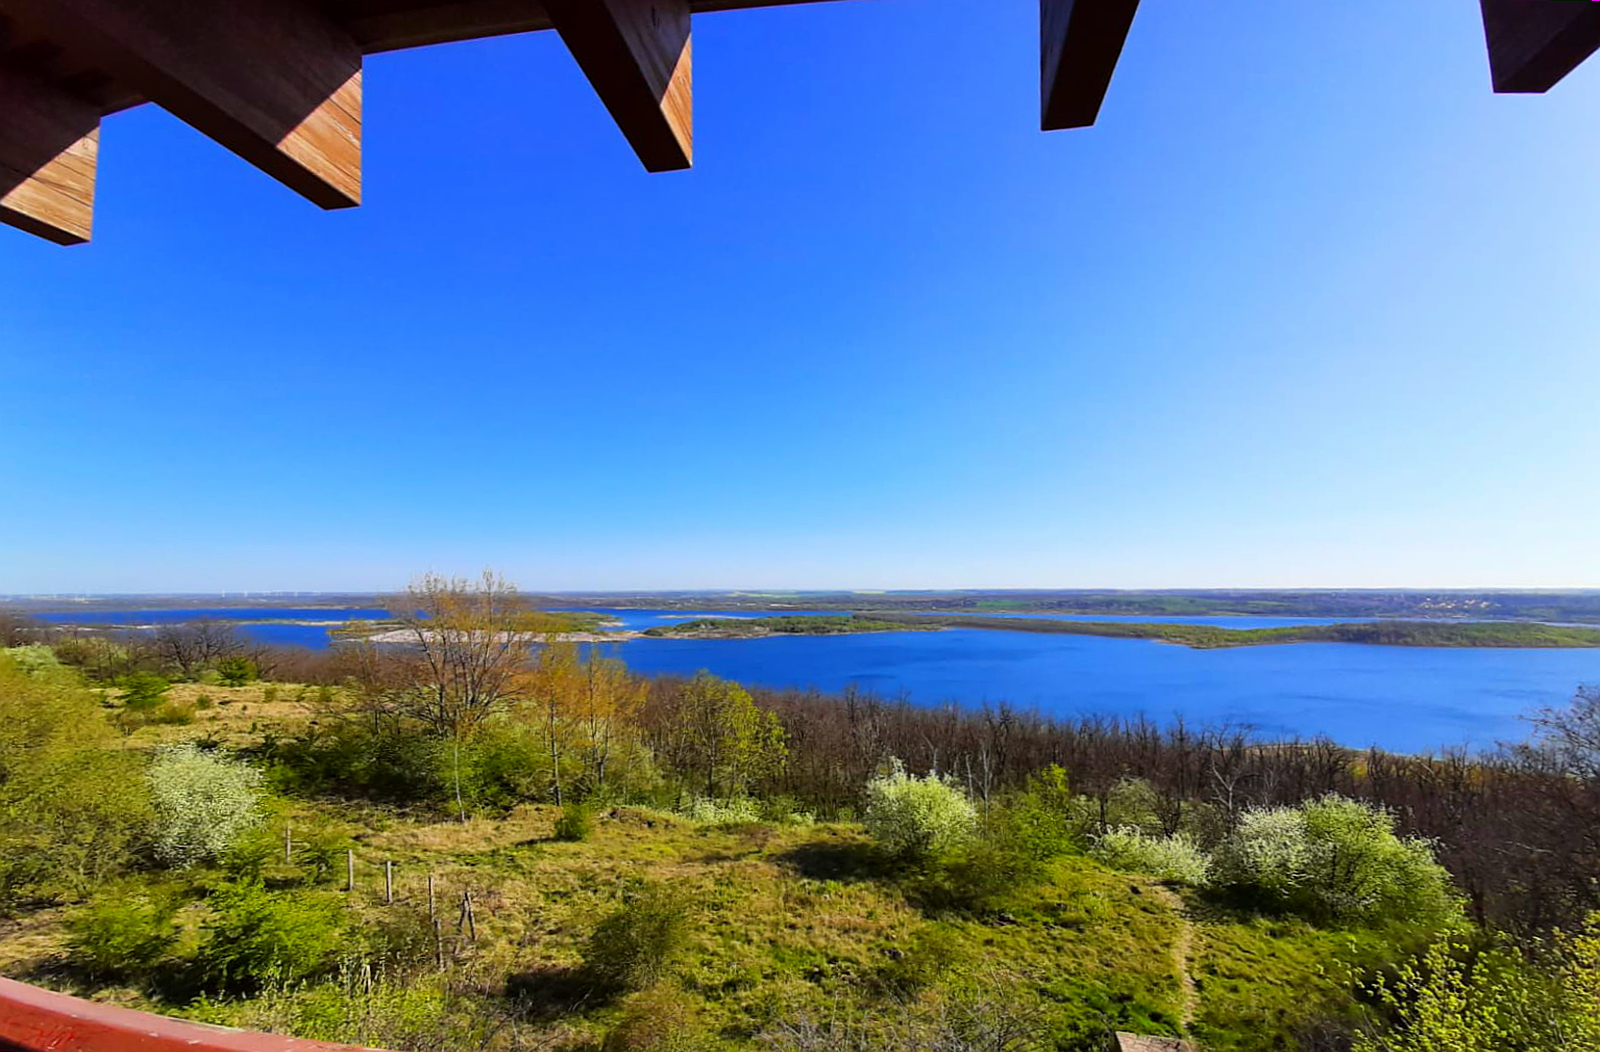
(1182, 949)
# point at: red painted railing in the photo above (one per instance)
(35, 1020)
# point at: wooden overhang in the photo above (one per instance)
(279, 81)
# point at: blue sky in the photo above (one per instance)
(1309, 307)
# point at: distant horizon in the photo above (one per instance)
(775, 592)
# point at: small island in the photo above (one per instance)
(808, 625)
(1208, 637)
(1506, 634)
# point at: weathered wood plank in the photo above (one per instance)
(276, 81)
(638, 56)
(1535, 43)
(1080, 42)
(49, 148)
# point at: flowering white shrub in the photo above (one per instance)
(1336, 859)
(203, 802)
(1174, 858)
(706, 811)
(918, 816)
(1269, 852)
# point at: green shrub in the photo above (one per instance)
(576, 822)
(204, 702)
(639, 943)
(933, 952)
(319, 852)
(1174, 858)
(983, 875)
(122, 932)
(236, 671)
(269, 693)
(917, 817)
(1336, 860)
(143, 691)
(658, 1020)
(203, 803)
(173, 714)
(254, 937)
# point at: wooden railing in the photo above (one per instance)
(35, 1020)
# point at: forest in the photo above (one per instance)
(487, 838)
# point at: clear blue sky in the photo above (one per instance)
(1310, 306)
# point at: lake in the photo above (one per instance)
(1402, 698)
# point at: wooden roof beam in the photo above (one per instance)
(1080, 42)
(275, 81)
(638, 56)
(49, 148)
(1534, 43)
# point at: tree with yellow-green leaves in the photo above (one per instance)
(1458, 998)
(73, 805)
(714, 731)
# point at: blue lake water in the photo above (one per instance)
(1404, 698)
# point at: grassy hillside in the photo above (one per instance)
(787, 920)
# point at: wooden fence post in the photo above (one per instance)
(288, 845)
(349, 869)
(388, 883)
(433, 913)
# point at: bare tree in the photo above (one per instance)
(195, 646)
(470, 640)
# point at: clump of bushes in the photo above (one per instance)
(1336, 860)
(1176, 858)
(122, 932)
(576, 822)
(918, 817)
(255, 937)
(33, 658)
(203, 803)
(638, 943)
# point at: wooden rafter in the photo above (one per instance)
(638, 54)
(1080, 42)
(275, 81)
(1535, 43)
(49, 148)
